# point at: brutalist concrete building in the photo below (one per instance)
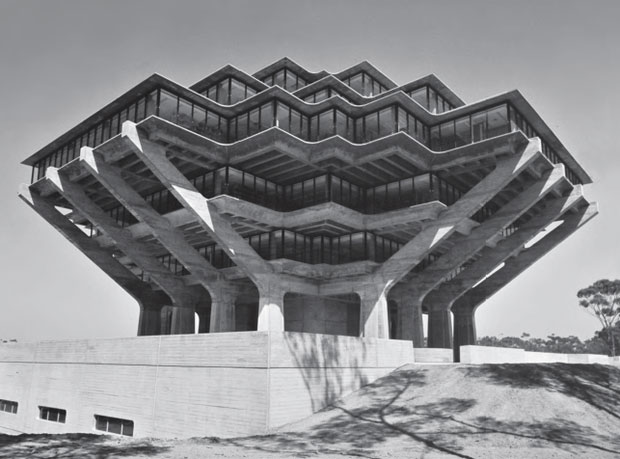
(310, 202)
(289, 201)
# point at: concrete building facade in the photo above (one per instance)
(292, 201)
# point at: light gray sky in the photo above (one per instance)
(62, 60)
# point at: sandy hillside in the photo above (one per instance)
(488, 411)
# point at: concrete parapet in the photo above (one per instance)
(488, 354)
(432, 355)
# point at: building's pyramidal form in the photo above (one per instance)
(315, 202)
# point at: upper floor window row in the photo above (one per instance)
(320, 189)
(488, 123)
(286, 79)
(229, 91)
(282, 243)
(430, 99)
(364, 84)
(474, 127)
(320, 95)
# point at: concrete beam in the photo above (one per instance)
(327, 211)
(311, 153)
(397, 266)
(465, 306)
(150, 301)
(103, 258)
(460, 253)
(525, 258)
(169, 236)
(137, 251)
(205, 213)
(432, 276)
(450, 290)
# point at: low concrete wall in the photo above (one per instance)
(488, 354)
(433, 355)
(223, 384)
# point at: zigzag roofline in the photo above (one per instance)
(156, 80)
(322, 79)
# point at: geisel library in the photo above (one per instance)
(302, 223)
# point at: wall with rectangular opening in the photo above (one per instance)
(114, 425)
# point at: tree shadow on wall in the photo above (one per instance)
(74, 446)
(387, 414)
(331, 365)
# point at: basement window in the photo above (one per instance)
(114, 425)
(8, 406)
(52, 414)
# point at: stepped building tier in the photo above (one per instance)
(287, 200)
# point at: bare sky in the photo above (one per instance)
(60, 61)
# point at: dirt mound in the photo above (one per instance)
(467, 411)
(481, 411)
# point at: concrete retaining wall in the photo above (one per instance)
(488, 354)
(223, 384)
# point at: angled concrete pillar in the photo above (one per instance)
(399, 264)
(431, 277)
(465, 306)
(448, 292)
(477, 240)
(151, 303)
(270, 306)
(169, 236)
(103, 258)
(528, 256)
(139, 252)
(205, 213)
(439, 328)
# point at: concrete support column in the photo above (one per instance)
(149, 322)
(374, 313)
(166, 319)
(183, 321)
(204, 319)
(439, 328)
(222, 309)
(270, 307)
(411, 324)
(182, 314)
(464, 329)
